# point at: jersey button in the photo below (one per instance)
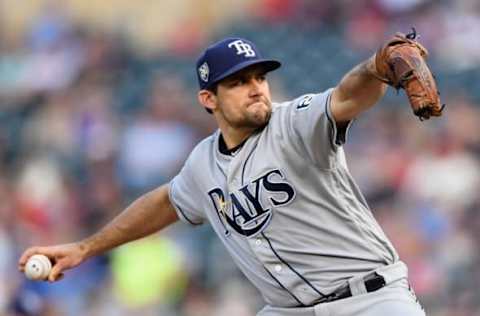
(258, 242)
(278, 268)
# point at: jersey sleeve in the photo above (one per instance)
(183, 193)
(315, 129)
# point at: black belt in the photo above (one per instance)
(373, 282)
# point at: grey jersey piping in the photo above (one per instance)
(290, 267)
(245, 163)
(185, 216)
(283, 287)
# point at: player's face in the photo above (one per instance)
(243, 99)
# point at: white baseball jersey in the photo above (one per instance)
(285, 205)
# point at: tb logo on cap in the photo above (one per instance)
(242, 48)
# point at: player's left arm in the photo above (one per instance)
(358, 90)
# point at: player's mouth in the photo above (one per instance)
(258, 102)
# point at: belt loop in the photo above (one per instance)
(357, 285)
(393, 272)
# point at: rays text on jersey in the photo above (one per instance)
(248, 210)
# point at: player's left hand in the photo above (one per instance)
(401, 63)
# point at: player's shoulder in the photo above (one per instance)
(283, 112)
(300, 103)
(286, 105)
(203, 148)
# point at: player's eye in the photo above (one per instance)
(231, 83)
(262, 77)
(240, 82)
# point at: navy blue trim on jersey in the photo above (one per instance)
(245, 163)
(283, 287)
(291, 268)
(342, 133)
(222, 146)
(185, 216)
(339, 134)
(333, 138)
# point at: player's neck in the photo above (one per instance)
(234, 137)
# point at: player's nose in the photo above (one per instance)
(255, 87)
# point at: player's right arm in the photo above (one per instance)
(146, 215)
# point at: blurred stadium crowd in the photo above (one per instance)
(94, 114)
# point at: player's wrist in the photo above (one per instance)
(372, 69)
(85, 249)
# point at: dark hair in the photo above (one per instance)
(213, 89)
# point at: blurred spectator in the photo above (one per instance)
(157, 141)
(456, 48)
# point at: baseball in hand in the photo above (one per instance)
(38, 267)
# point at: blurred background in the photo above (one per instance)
(98, 105)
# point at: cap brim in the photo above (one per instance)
(268, 64)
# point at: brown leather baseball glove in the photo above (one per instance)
(401, 64)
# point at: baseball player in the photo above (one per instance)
(273, 183)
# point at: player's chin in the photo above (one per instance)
(260, 117)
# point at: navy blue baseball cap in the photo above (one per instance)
(228, 56)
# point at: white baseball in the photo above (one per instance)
(38, 267)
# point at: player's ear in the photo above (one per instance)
(208, 99)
